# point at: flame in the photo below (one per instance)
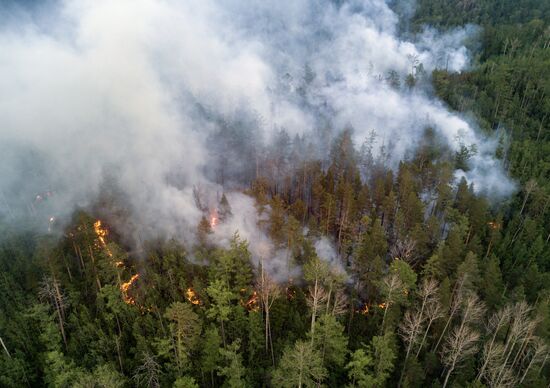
(290, 293)
(493, 225)
(192, 296)
(382, 305)
(252, 302)
(214, 220)
(101, 233)
(125, 287)
(119, 264)
(365, 310)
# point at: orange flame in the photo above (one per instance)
(214, 220)
(192, 296)
(493, 225)
(101, 233)
(290, 293)
(125, 287)
(252, 302)
(366, 308)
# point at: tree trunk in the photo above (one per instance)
(4, 346)
(447, 377)
(223, 333)
(424, 338)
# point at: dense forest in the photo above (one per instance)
(436, 285)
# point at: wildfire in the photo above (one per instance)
(493, 225)
(252, 302)
(192, 296)
(290, 293)
(366, 308)
(125, 287)
(101, 233)
(214, 220)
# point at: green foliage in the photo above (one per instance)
(300, 366)
(65, 322)
(371, 367)
(185, 382)
(185, 327)
(233, 369)
(330, 340)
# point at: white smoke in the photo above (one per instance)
(325, 251)
(98, 89)
(247, 222)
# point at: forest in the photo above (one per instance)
(432, 283)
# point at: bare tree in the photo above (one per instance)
(340, 303)
(433, 311)
(50, 292)
(317, 297)
(268, 291)
(460, 344)
(148, 373)
(496, 323)
(472, 310)
(409, 330)
(454, 307)
(493, 356)
(507, 363)
(391, 286)
(404, 250)
(315, 272)
(412, 325)
(520, 327)
(538, 353)
(333, 283)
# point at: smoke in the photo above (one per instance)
(139, 95)
(325, 251)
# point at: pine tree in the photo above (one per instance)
(210, 353)
(185, 327)
(233, 370)
(224, 209)
(220, 307)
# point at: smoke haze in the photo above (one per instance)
(139, 93)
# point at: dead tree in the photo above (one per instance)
(404, 250)
(496, 323)
(460, 344)
(454, 308)
(433, 311)
(50, 292)
(148, 373)
(268, 291)
(391, 285)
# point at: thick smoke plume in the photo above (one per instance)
(138, 95)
